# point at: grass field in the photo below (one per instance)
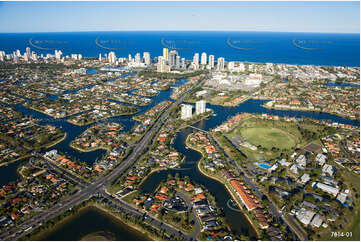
(268, 137)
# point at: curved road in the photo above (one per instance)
(15, 233)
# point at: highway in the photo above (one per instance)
(88, 190)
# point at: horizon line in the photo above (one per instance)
(262, 31)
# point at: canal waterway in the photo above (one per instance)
(237, 221)
(9, 172)
(93, 224)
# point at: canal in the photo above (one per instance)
(91, 221)
(92, 224)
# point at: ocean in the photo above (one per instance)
(262, 47)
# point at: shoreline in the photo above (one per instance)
(57, 141)
(308, 110)
(96, 120)
(149, 174)
(13, 161)
(90, 150)
(70, 217)
(126, 223)
(233, 197)
(52, 116)
(156, 216)
(218, 104)
(218, 180)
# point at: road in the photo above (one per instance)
(197, 225)
(15, 233)
(297, 230)
(123, 206)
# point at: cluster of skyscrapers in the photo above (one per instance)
(31, 55)
(170, 60)
(196, 65)
(187, 110)
(137, 61)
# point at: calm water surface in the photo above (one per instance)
(93, 220)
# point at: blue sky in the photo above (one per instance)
(329, 17)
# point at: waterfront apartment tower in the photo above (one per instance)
(211, 61)
(137, 58)
(220, 64)
(165, 53)
(204, 59)
(162, 65)
(186, 111)
(196, 59)
(146, 58)
(58, 54)
(172, 57)
(200, 107)
(178, 62)
(111, 57)
(28, 51)
(183, 65)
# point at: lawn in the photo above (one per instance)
(268, 137)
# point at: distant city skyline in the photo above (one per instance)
(320, 17)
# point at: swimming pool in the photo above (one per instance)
(262, 165)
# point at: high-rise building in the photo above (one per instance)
(196, 59)
(204, 59)
(146, 57)
(111, 57)
(172, 57)
(28, 51)
(183, 65)
(58, 54)
(186, 111)
(231, 66)
(162, 65)
(26, 57)
(165, 53)
(34, 56)
(200, 107)
(211, 61)
(178, 62)
(137, 58)
(220, 64)
(129, 57)
(100, 57)
(2, 55)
